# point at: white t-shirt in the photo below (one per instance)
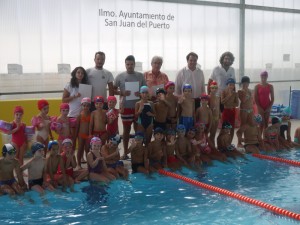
(220, 75)
(99, 80)
(75, 104)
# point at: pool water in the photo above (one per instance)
(163, 200)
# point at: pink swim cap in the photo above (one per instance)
(204, 96)
(264, 73)
(42, 103)
(18, 109)
(64, 106)
(169, 84)
(111, 98)
(95, 140)
(86, 100)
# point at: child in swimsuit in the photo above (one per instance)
(144, 112)
(173, 103)
(139, 154)
(98, 120)
(203, 149)
(9, 164)
(204, 113)
(183, 147)
(37, 170)
(82, 130)
(112, 117)
(214, 105)
(161, 106)
(271, 134)
(171, 160)
(42, 124)
(264, 99)
(186, 107)
(18, 134)
(111, 154)
(96, 165)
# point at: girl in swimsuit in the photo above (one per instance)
(264, 99)
(96, 164)
(19, 139)
(144, 112)
(42, 124)
(271, 135)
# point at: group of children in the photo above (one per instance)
(170, 132)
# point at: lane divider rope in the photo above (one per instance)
(276, 159)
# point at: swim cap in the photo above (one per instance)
(230, 81)
(226, 125)
(158, 130)
(257, 118)
(8, 148)
(42, 103)
(139, 135)
(111, 98)
(51, 143)
(116, 139)
(180, 127)
(99, 99)
(18, 109)
(95, 140)
(286, 111)
(245, 79)
(171, 132)
(213, 84)
(264, 73)
(275, 120)
(64, 106)
(86, 100)
(187, 86)
(144, 89)
(67, 140)
(169, 84)
(160, 91)
(204, 97)
(36, 146)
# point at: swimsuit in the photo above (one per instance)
(228, 115)
(8, 182)
(69, 171)
(143, 118)
(188, 122)
(99, 133)
(84, 119)
(135, 167)
(97, 169)
(19, 137)
(112, 129)
(44, 132)
(263, 93)
(83, 136)
(114, 165)
(203, 146)
(39, 181)
(172, 159)
(247, 110)
(158, 124)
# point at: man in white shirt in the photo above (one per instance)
(192, 75)
(100, 78)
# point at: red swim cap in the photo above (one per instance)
(111, 98)
(169, 84)
(18, 109)
(264, 73)
(214, 83)
(42, 103)
(98, 99)
(64, 106)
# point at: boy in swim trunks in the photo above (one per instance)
(139, 155)
(18, 135)
(8, 164)
(156, 150)
(264, 99)
(161, 106)
(111, 155)
(229, 99)
(82, 131)
(183, 148)
(170, 160)
(42, 124)
(112, 117)
(173, 103)
(144, 112)
(36, 166)
(214, 105)
(204, 114)
(98, 120)
(186, 107)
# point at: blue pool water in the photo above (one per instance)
(165, 200)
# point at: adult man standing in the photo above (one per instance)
(192, 75)
(100, 78)
(155, 77)
(223, 72)
(121, 84)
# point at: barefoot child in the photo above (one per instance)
(111, 154)
(139, 155)
(144, 112)
(204, 114)
(183, 147)
(271, 134)
(37, 179)
(186, 107)
(98, 120)
(18, 135)
(214, 105)
(229, 99)
(112, 117)
(96, 165)
(170, 160)
(161, 106)
(42, 123)
(82, 130)
(8, 164)
(173, 102)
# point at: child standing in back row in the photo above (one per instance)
(186, 107)
(172, 100)
(214, 105)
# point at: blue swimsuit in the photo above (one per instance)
(144, 119)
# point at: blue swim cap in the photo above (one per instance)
(51, 143)
(36, 146)
(144, 89)
(180, 127)
(230, 81)
(158, 130)
(187, 86)
(139, 135)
